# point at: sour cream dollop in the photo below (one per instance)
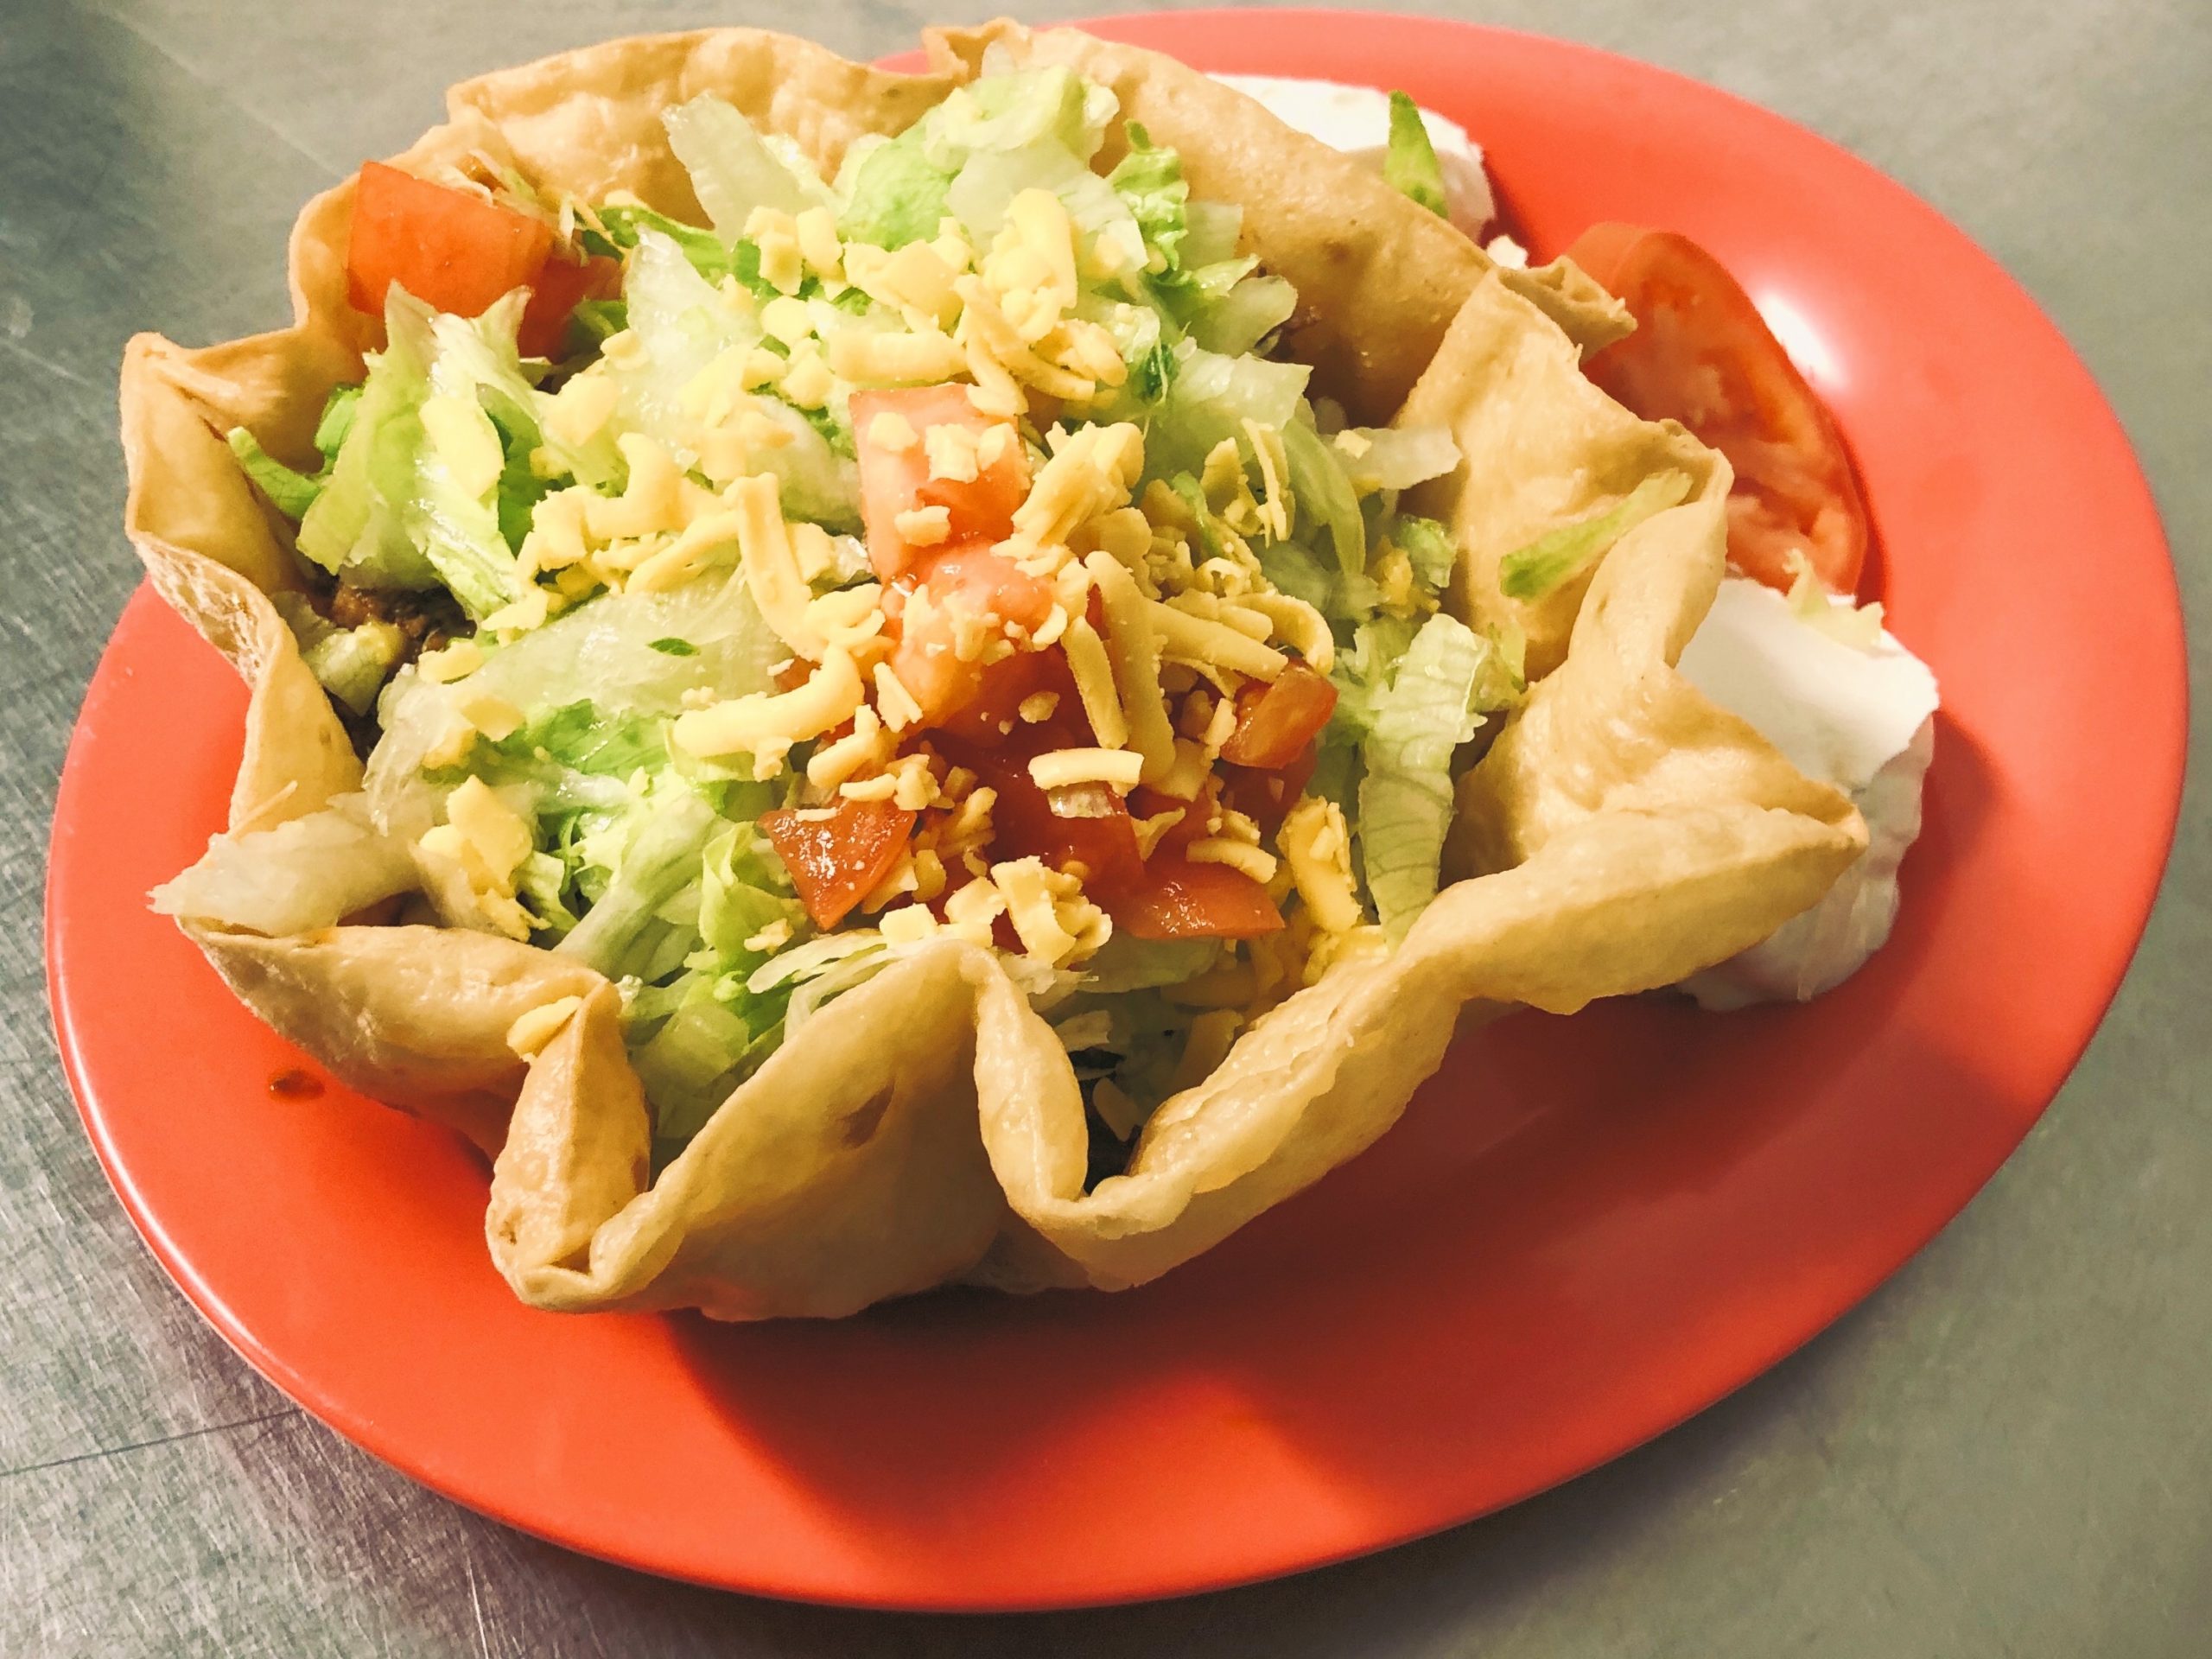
(1357, 120)
(1862, 720)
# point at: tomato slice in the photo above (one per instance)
(1276, 720)
(1182, 900)
(893, 481)
(1702, 354)
(450, 249)
(559, 286)
(835, 861)
(968, 578)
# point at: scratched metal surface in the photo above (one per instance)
(2005, 1451)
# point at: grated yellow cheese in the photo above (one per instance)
(461, 658)
(892, 433)
(923, 526)
(1118, 769)
(1132, 644)
(462, 436)
(1093, 672)
(893, 701)
(762, 721)
(1206, 644)
(772, 573)
(577, 414)
(1317, 845)
(532, 1031)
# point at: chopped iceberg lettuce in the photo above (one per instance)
(1560, 555)
(1405, 801)
(1410, 165)
(1011, 112)
(894, 192)
(1150, 180)
(352, 664)
(291, 492)
(357, 528)
(734, 169)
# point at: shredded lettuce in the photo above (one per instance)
(1428, 546)
(1012, 112)
(1397, 457)
(357, 528)
(681, 323)
(352, 664)
(734, 169)
(1150, 180)
(1405, 801)
(1560, 555)
(1409, 164)
(291, 493)
(1324, 495)
(1248, 310)
(1212, 399)
(894, 192)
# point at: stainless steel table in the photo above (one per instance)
(2006, 1451)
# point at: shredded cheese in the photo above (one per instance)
(532, 1031)
(1119, 769)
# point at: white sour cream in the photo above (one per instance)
(1863, 720)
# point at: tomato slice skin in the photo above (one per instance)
(836, 861)
(450, 249)
(1276, 721)
(1703, 355)
(559, 286)
(1182, 900)
(893, 481)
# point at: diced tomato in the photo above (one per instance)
(450, 249)
(994, 714)
(560, 285)
(969, 578)
(1084, 824)
(893, 481)
(1182, 900)
(1276, 720)
(1146, 802)
(1266, 797)
(1702, 354)
(838, 861)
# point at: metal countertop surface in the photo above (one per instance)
(2005, 1451)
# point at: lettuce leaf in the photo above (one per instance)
(1531, 572)
(1410, 165)
(735, 168)
(1405, 800)
(894, 192)
(291, 493)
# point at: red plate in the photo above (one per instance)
(1573, 1239)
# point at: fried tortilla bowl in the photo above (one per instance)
(927, 1126)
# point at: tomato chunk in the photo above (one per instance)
(1266, 797)
(450, 249)
(893, 481)
(1275, 722)
(1085, 823)
(559, 286)
(1702, 354)
(970, 579)
(835, 861)
(1182, 900)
